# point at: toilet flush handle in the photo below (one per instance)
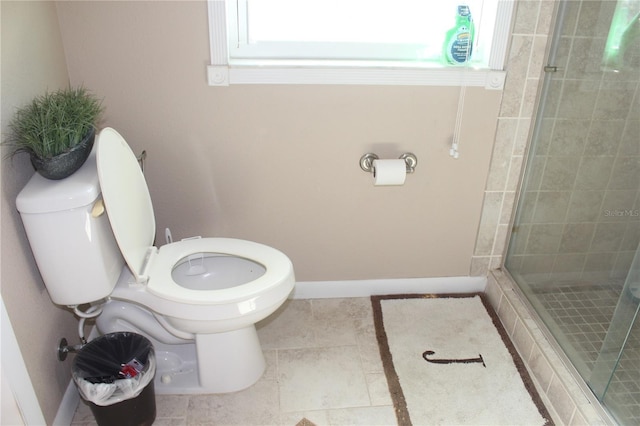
(98, 208)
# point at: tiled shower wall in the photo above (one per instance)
(531, 28)
(581, 206)
(579, 218)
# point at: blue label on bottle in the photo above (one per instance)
(460, 48)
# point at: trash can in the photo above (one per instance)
(114, 374)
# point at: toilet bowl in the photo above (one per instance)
(203, 293)
(262, 277)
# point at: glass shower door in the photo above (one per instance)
(573, 250)
(615, 379)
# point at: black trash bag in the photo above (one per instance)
(114, 368)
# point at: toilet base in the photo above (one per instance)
(232, 361)
(213, 363)
(229, 361)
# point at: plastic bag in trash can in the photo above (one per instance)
(114, 368)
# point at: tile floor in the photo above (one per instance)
(323, 364)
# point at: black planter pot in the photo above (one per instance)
(65, 164)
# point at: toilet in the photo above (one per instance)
(197, 300)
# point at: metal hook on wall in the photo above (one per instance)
(141, 158)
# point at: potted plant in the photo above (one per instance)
(57, 129)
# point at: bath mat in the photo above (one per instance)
(448, 360)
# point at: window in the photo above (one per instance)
(353, 42)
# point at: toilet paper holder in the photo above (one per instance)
(410, 159)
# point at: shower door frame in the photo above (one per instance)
(549, 69)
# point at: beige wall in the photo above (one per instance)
(32, 62)
(279, 164)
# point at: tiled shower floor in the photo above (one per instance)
(582, 314)
(323, 364)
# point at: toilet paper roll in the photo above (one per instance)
(389, 172)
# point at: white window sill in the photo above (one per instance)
(222, 72)
(224, 75)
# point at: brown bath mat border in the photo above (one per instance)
(397, 395)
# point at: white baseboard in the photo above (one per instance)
(365, 288)
(325, 290)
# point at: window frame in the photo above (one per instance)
(220, 72)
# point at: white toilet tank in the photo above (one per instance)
(70, 236)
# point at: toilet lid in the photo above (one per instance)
(126, 198)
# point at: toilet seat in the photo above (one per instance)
(278, 269)
(128, 204)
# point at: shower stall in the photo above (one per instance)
(574, 249)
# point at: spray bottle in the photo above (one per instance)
(458, 42)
